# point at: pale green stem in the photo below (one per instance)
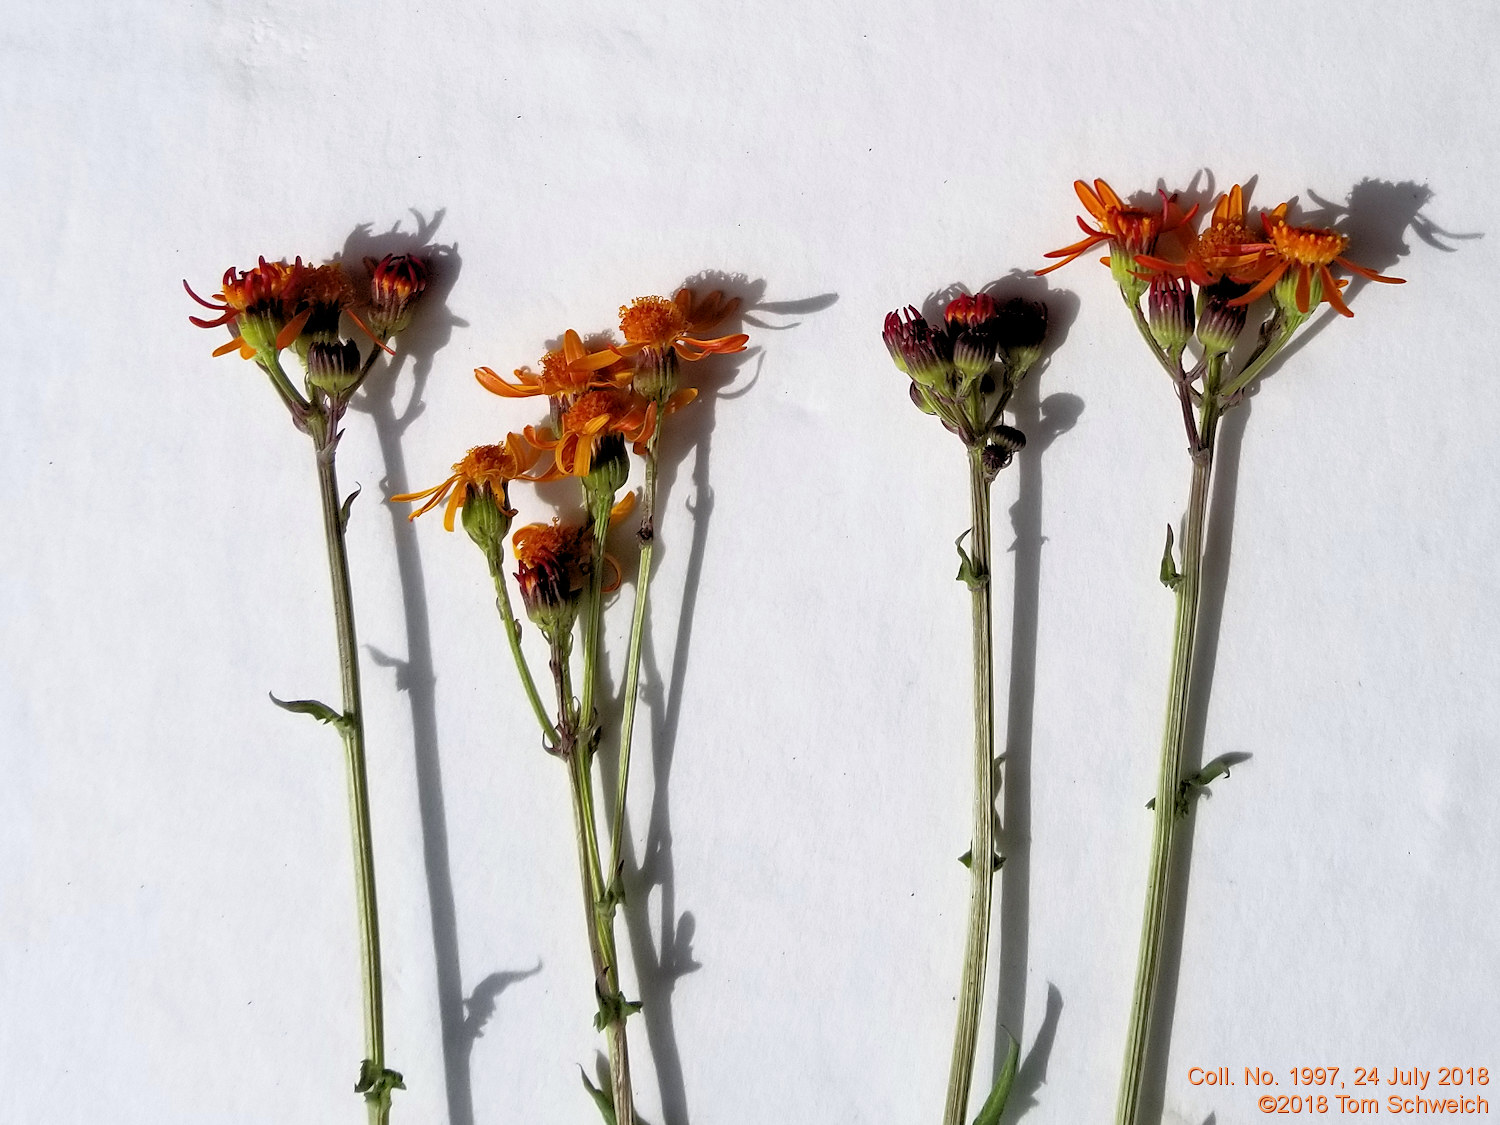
(1174, 740)
(982, 848)
(378, 1099)
(633, 654)
(513, 635)
(580, 767)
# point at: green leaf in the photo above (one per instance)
(1169, 576)
(994, 1105)
(997, 861)
(344, 508)
(376, 1083)
(317, 709)
(601, 1099)
(967, 574)
(967, 859)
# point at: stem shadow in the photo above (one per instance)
(415, 674)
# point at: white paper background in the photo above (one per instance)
(176, 916)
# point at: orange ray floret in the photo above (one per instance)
(567, 372)
(1218, 251)
(656, 322)
(493, 465)
(263, 289)
(1131, 229)
(1306, 252)
(594, 416)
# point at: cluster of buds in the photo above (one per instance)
(275, 306)
(965, 370)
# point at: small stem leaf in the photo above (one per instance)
(317, 709)
(967, 859)
(346, 505)
(968, 574)
(601, 1099)
(994, 1105)
(376, 1082)
(1170, 578)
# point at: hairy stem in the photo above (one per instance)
(982, 848)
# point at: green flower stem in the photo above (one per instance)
(1167, 815)
(633, 654)
(513, 635)
(599, 904)
(982, 849)
(378, 1097)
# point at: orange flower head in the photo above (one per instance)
(480, 478)
(567, 372)
(1295, 260)
(1217, 252)
(555, 562)
(1129, 231)
(656, 322)
(256, 301)
(587, 427)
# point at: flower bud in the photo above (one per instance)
(971, 327)
(396, 281)
(1219, 322)
(656, 373)
(918, 349)
(555, 563)
(1020, 330)
(333, 367)
(486, 517)
(1170, 313)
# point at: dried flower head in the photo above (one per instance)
(1302, 255)
(255, 302)
(1129, 231)
(567, 372)
(490, 467)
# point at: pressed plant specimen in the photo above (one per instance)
(1201, 288)
(964, 372)
(605, 403)
(274, 307)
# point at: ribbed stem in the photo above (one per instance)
(633, 654)
(513, 636)
(377, 1099)
(1167, 819)
(982, 848)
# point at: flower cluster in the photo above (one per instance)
(278, 305)
(1230, 265)
(604, 398)
(965, 370)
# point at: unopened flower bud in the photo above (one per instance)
(918, 349)
(656, 373)
(1219, 322)
(1170, 312)
(396, 281)
(1004, 443)
(486, 517)
(333, 367)
(919, 397)
(1020, 330)
(555, 562)
(609, 467)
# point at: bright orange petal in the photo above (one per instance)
(455, 502)
(1331, 292)
(1265, 285)
(1089, 200)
